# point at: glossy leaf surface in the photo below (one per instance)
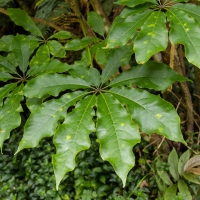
(73, 136)
(61, 35)
(52, 84)
(4, 91)
(117, 57)
(78, 44)
(7, 66)
(4, 76)
(152, 75)
(5, 43)
(10, 114)
(191, 9)
(56, 49)
(54, 66)
(185, 30)
(152, 38)
(95, 21)
(117, 135)
(132, 3)
(94, 77)
(150, 112)
(124, 29)
(44, 120)
(21, 18)
(22, 51)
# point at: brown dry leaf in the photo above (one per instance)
(192, 162)
(195, 171)
(144, 184)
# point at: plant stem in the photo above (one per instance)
(138, 185)
(75, 7)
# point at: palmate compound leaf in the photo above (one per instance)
(73, 136)
(10, 114)
(152, 75)
(44, 120)
(117, 134)
(152, 38)
(150, 112)
(21, 18)
(116, 58)
(52, 84)
(185, 30)
(124, 29)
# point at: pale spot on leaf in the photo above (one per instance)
(158, 115)
(60, 109)
(122, 124)
(68, 137)
(2, 131)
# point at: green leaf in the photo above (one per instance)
(133, 3)
(163, 174)
(52, 84)
(177, 1)
(56, 49)
(152, 75)
(182, 161)
(39, 61)
(152, 38)
(153, 114)
(117, 57)
(9, 114)
(33, 103)
(54, 66)
(7, 66)
(170, 192)
(173, 164)
(191, 9)
(95, 21)
(5, 90)
(5, 43)
(21, 18)
(77, 44)
(4, 76)
(73, 136)
(61, 35)
(44, 120)
(191, 177)
(184, 190)
(94, 77)
(22, 51)
(123, 30)
(117, 135)
(101, 54)
(185, 30)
